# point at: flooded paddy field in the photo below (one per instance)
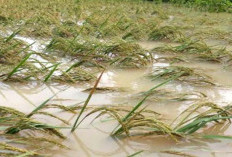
(117, 89)
(106, 78)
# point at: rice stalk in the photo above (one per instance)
(75, 125)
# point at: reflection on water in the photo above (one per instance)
(149, 45)
(94, 140)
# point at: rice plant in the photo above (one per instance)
(197, 116)
(133, 120)
(136, 124)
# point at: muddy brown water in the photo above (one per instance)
(94, 139)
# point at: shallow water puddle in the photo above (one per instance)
(94, 140)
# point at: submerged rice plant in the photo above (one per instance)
(188, 75)
(99, 53)
(171, 95)
(147, 122)
(137, 123)
(187, 47)
(199, 50)
(19, 63)
(165, 33)
(13, 121)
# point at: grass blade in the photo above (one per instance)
(40, 106)
(135, 154)
(19, 65)
(199, 123)
(51, 72)
(28, 46)
(12, 35)
(75, 65)
(43, 104)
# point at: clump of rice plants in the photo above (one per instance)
(161, 13)
(133, 120)
(187, 47)
(171, 59)
(199, 50)
(147, 122)
(13, 121)
(197, 116)
(27, 70)
(165, 33)
(188, 75)
(86, 18)
(19, 63)
(218, 55)
(10, 50)
(119, 53)
(75, 75)
(137, 123)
